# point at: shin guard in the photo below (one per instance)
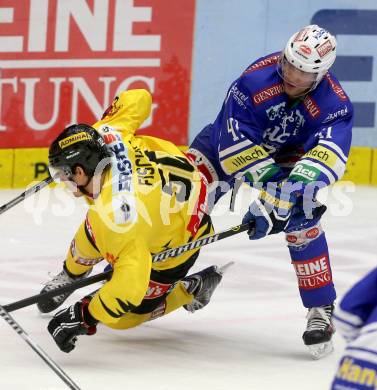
(310, 258)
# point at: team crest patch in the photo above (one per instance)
(113, 109)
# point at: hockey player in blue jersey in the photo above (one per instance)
(356, 319)
(285, 126)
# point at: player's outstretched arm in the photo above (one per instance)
(71, 322)
(80, 259)
(127, 111)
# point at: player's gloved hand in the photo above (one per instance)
(303, 217)
(71, 322)
(270, 213)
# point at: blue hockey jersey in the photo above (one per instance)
(355, 319)
(260, 130)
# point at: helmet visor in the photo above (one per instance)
(61, 173)
(293, 76)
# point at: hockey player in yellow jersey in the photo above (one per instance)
(145, 197)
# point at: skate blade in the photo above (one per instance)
(318, 351)
(225, 267)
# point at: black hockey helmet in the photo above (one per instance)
(77, 145)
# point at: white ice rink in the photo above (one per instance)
(248, 338)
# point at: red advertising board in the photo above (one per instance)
(62, 62)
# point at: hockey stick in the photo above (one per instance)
(36, 348)
(236, 186)
(158, 257)
(30, 191)
(61, 290)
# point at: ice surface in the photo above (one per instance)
(248, 338)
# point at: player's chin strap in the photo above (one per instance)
(97, 185)
(82, 188)
(156, 258)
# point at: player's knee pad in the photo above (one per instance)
(300, 239)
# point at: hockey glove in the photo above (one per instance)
(299, 219)
(271, 212)
(71, 322)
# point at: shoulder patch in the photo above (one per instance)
(311, 107)
(336, 88)
(112, 109)
(271, 60)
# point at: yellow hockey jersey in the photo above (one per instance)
(151, 199)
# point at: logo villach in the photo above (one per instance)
(62, 62)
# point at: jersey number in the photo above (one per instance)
(173, 183)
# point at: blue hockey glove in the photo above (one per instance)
(270, 213)
(71, 322)
(299, 219)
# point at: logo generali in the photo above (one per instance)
(62, 62)
(268, 93)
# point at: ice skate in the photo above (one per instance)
(63, 278)
(319, 331)
(203, 284)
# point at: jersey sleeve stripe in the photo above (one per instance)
(359, 346)
(235, 148)
(328, 159)
(242, 167)
(328, 172)
(244, 159)
(361, 354)
(347, 331)
(324, 155)
(335, 148)
(337, 169)
(370, 328)
(345, 316)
